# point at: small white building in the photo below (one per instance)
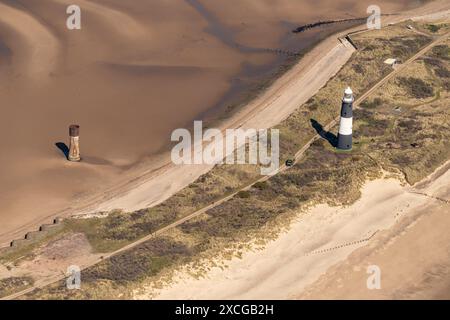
(391, 61)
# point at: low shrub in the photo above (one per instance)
(417, 88)
(244, 194)
(372, 104)
(441, 51)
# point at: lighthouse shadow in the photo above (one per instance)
(330, 137)
(63, 148)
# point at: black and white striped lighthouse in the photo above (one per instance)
(346, 125)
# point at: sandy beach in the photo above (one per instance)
(116, 78)
(326, 252)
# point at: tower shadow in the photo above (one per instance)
(64, 148)
(330, 137)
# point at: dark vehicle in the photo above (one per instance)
(289, 163)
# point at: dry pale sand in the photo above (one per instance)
(136, 71)
(413, 257)
(326, 252)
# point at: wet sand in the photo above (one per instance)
(136, 71)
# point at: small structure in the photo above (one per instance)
(349, 39)
(74, 149)
(391, 61)
(345, 139)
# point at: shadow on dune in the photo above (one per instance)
(330, 137)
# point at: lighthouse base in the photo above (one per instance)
(74, 159)
(345, 142)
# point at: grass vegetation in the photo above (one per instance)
(14, 284)
(417, 88)
(433, 27)
(436, 27)
(120, 228)
(409, 131)
(404, 127)
(15, 255)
